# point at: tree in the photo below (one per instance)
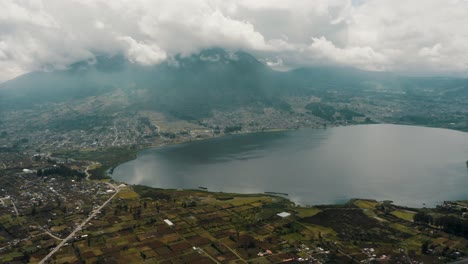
(423, 218)
(26, 257)
(425, 247)
(232, 129)
(453, 225)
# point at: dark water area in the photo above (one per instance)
(409, 165)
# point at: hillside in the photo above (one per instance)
(188, 87)
(117, 102)
(193, 86)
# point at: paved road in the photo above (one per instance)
(14, 207)
(463, 261)
(78, 228)
(50, 234)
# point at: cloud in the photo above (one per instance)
(416, 36)
(277, 63)
(363, 57)
(202, 28)
(142, 53)
(434, 51)
(420, 36)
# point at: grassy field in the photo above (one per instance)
(404, 229)
(404, 214)
(307, 212)
(229, 228)
(366, 204)
(108, 158)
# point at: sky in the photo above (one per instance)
(427, 37)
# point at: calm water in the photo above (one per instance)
(406, 164)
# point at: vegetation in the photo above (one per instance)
(321, 110)
(194, 91)
(349, 114)
(423, 218)
(107, 158)
(232, 129)
(453, 225)
(60, 170)
(217, 227)
(80, 122)
(148, 192)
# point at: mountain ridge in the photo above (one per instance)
(193, 87)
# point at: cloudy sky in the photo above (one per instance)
(419, 36)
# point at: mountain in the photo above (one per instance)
(187, 86)
(192, 87)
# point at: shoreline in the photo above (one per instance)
(422, 205)
(284, 197)
(275, 130)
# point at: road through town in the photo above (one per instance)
(79, 227)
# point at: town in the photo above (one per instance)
(56, 126)
(52, 212)
(58, 204)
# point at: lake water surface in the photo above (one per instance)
(409, 165)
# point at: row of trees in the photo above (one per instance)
(423, 218)
(449, 224)
(60, 170)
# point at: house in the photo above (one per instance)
(283, 214)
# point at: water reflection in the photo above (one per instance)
(410, 165)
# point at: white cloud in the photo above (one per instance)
(276, 63)
(417, 36)
(188, 30)
(364, 57)
(29, 12)
(99, 24)
(430, 51)
(142, 53)
(425, 36)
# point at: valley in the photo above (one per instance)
(58, 127)
(115, 103)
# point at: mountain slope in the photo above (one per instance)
(188, 87)
(192, 87)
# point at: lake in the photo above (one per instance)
(409, 165)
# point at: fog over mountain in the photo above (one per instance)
(191, 87)
(223, 64)
(420, 37)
